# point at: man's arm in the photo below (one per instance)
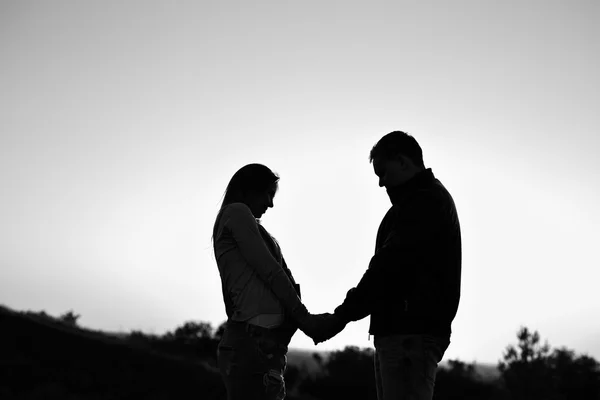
(412, 227)
(359, 300)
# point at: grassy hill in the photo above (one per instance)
(42, 358)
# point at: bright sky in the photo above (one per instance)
(121, 124)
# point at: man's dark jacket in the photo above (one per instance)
(412, 284)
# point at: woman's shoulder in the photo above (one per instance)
(237, 211)
(236, 208)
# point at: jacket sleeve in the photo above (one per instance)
(291, 277)
(242, 224)
(411, 229)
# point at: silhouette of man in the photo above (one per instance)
(411, 288)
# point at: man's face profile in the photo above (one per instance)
(392, 172)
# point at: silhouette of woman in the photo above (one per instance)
(262, 299)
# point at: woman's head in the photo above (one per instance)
(254, 185)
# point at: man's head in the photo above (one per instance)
(396, 158)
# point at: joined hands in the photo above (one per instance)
(322, 327)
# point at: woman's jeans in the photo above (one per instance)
(252, 361)
(405, 365)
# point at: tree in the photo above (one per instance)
(531, 371)
(576, 377)
(524, 369)
(193, 339)
(69, 318)
(191, 331)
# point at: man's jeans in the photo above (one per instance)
(405, 365)
(252, 362)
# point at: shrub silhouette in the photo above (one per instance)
(346, 374)
(69, 318)
(532, 371)
(460, 381)
(192, 340)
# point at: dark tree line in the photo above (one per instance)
(528, 370)
(196, 340)
(532, 370)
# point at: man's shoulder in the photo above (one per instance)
(422, 199)
(433, 195)
(422, 204)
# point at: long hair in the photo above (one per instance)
(251, 178)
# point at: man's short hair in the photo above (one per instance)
(395, 143)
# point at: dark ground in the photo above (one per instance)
(45, 359)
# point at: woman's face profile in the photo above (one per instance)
(260, 202)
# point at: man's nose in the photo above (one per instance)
(381, 183)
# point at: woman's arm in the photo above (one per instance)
(289, 274)
(239, 219)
